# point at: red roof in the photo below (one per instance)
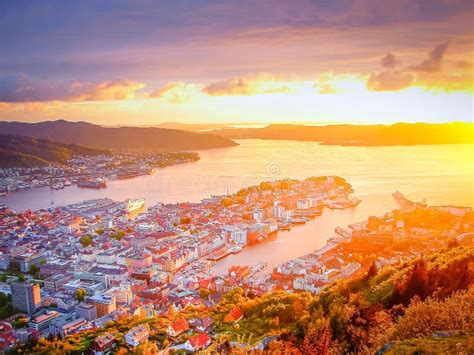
(199, 341)
(235, 313)
(180, 325)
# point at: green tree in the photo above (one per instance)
(80, 294)
(86, 240)
(33, 270)
(20, 323)
(118, 236)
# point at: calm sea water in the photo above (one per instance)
(442, 174)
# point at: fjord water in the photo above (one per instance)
(442, 174)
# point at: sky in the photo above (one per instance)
(268, 61)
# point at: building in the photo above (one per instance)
(177, 327)
(7, 336)
(23, 262)
(136, 335)
(56, 282)
(41, 323)
(92, 287)
(86, 311)
(234, 315)
(103, 344)
(26, 297)
(198, 342)
(105, 304)
(123, 294)
(62, 327)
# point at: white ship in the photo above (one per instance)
(133, 205)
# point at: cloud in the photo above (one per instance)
(175, 92)
(427, 74)
(107, 90)
(250, 84)
(325, 88)
(434, 61)
(20, 88)
(389, 80)
(389, 61)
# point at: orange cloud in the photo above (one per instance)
(18, 89)
(325, 88)
(250, 84)
(107, 90)
(176, 92)
(389, 80)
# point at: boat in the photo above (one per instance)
(301, 220)
(57, 186)
(284, 226)
(133, 205)
(3, 193)
(92, 184)
(345, 233)
(132, 174)
(343, 204)
(67, 183)
(311, 212)
(235, 250)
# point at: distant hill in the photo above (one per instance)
(21, 151)
(191, 126)
(127, 138)
(358, 135)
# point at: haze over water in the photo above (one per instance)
(443, 174)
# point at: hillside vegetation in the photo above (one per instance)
(417, 306)
(21, 151)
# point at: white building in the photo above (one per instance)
(136, 335)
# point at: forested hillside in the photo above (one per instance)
(421, 305)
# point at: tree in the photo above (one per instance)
(204, 293)
(226, 201)
(118, 235)
(317, 342)
(417, 284)
(185, 220)
(33, 270)
(146, 348)
(86, 240)
(372, 271)
(80, 294)
(20, 323)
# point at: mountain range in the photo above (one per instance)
(120, 138)
(361, 135)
